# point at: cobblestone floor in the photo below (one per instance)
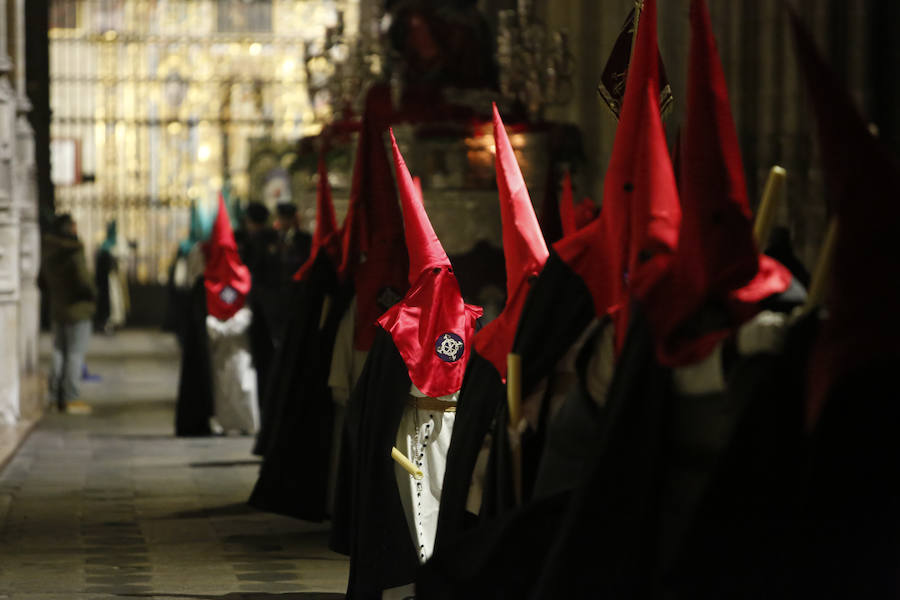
(112, 506)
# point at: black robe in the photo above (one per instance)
(103, 266)
(503, 557)
(194, 405)
(293, 479)
(851, 542)
(744, 539)
(268, 299)
(282, 362)
(557, 311)
(613, 539)
(382, 554)
(631, 531)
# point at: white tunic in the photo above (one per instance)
(424, 437)
(233, 374)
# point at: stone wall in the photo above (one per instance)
(20, 382)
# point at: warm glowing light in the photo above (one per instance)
(288, 65)
(255, 49)
(203, 153)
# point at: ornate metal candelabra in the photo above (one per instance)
(536, 65)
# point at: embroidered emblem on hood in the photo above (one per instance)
(228, 295)
(449, 347)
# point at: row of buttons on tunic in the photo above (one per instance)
(419, 460)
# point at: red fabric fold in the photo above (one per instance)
(326, 236)
(432, 327)
(717, 254)
(373, 252)
(585, 212)
(861, 175)
(523, 247)
(226, 278)
(567, 207)
(625, 252)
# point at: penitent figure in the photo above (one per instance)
(227, 283)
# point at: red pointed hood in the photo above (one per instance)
(432, 327)
(227, 280)
(523, 246)
(326, 237)
(567, 207)
(717, 254)
(373, 248)
(861, 176)
(623, 254)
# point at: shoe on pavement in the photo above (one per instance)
(78, 408)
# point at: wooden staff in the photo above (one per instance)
(326, 307)
(773, 195)
(822, 273)
(406, 464)
(514, 400)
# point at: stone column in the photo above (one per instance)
(25, 195)
(9, 241)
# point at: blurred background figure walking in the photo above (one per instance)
(73, 299)
(112, 286)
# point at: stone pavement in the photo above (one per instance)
(112, 506)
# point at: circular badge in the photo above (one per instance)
(228, 295)
(449, 347)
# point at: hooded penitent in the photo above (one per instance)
(326, 237)
(432, 327)
(861, 176)
(227, 280)
(111, 237)
(623, 254)
(574, 216)
(717, 260)
(523, 247)
(373, 252)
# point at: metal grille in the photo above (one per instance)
(155, 103)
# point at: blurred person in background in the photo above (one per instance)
(73, 299)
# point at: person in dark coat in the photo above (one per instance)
(293, 479)
(294, 242)
(112, 295)
(260, 254)
(73, 299)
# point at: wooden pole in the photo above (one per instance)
(773, 196)
(822, 274)
(514, 401)
(514, 387)
(406, 464)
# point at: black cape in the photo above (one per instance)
(103, 266)
(852, 501)
(382, 554)
(557, 311)
(269, 299)
(178, 304)
(625, 533)
(194, 405)
(294, 474)
(503, 557)
(611, 541)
